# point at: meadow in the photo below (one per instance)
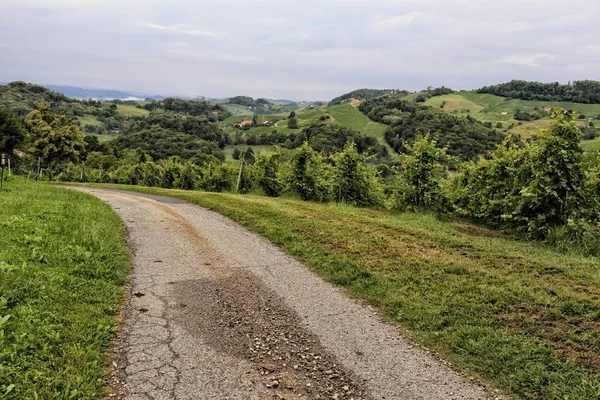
(131, 111)
(519, 315)
(496, 109)
(63, 261)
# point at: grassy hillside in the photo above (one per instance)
(349, 116)
(131, 111)
(236, 109)
(490, 108)
(345, 115)
(519, 315)
(63, 260)
(591, 145)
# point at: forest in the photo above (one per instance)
(464, 138)
(366, 94)
(585, 91)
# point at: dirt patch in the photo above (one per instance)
(241, 317)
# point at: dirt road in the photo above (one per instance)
(216, 312)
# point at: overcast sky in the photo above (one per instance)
(296, 49)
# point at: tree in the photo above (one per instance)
(292, 122)
(249, 156)
(420, 176)
(12, 133)
(556, 191)
(52, 138)
(254, 122)
(354, 182)
(309, 175)
(292, 114)
(589, 131)
(267, 167)
(236, 154)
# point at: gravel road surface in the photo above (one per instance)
(216, 312)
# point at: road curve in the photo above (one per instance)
(216, 312)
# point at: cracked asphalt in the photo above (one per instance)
(216, 312)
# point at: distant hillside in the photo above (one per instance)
(20, 98)
(367, 94)
(579, 92)
(239, 105)
(465, 138)
(522, 117)
(197, 108)
(96, 94)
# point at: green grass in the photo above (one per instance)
(489, 108)
(131, 111)
(63, 260)
(455, 101)
(520, 315)
(351, 117)
(591, 145)
(89, 119)
(236, 109)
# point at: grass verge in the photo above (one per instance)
(63, 260)
(522, 316)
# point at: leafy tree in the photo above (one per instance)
(12, 133)
(188, 179)
(292, 123)
(556, 191)
(267, 168)
(254, 122)
(489, 190)
(354, 182)
(589, 131)
(249, 156)
(236, 154)
(308, 175)
(52, 138)
(292, 114)
(420, 176)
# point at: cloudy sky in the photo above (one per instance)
(309, 49)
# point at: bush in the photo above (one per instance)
(267, 170)
(419, 181)
(309, 176)
(354, 182)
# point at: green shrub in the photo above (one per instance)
(420, 176)
(309, 177)
(354, 182)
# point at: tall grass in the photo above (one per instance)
(63, 260)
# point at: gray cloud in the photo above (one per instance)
(300, 49)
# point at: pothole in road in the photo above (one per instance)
(239, 316)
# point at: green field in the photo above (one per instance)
(519, 315)
(131, 111)
(344, 114)
(236, 109)
(89, 119)
(63, 260)
(490, 108)
(591, 145)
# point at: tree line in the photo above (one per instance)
(586, 91)
(367, 94)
